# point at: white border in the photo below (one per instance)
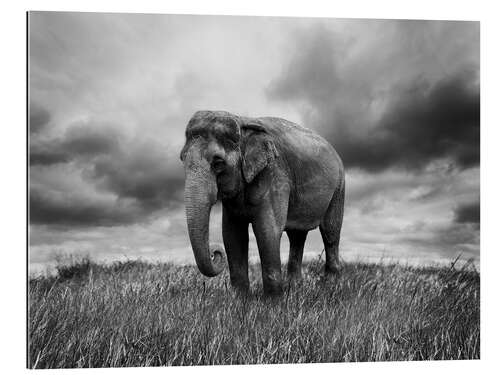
(13, 224)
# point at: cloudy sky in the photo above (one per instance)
(111, 94)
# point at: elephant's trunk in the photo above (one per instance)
(200, 194)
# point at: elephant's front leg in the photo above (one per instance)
(268, 231)
(235, 236)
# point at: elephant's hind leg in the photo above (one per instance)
(297, 239)
(330, 231)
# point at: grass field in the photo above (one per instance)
(140, 314)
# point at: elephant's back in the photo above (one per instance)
(301, 143)
(279, 125)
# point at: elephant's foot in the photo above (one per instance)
(273, 290)
(272, 284)
(241, 291)
(240, 286)
(294, 278)
(332, 271)
(294, 272)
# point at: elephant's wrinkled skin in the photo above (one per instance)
(271, 173)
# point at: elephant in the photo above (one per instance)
(268, 172)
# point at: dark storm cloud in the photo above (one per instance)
(47, 154)
(79, 141)
(143, 172)
(47, 208)
(39, 117)
(138, 172)
(468, 213)
(421, 119)
(91, 140)
(422, 124)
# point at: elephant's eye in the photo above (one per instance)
(218, 164)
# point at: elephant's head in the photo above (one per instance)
(220, 156)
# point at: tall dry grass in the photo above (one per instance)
(140, 314)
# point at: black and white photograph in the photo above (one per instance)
(238, 190)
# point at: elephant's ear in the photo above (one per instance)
(258, 150)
